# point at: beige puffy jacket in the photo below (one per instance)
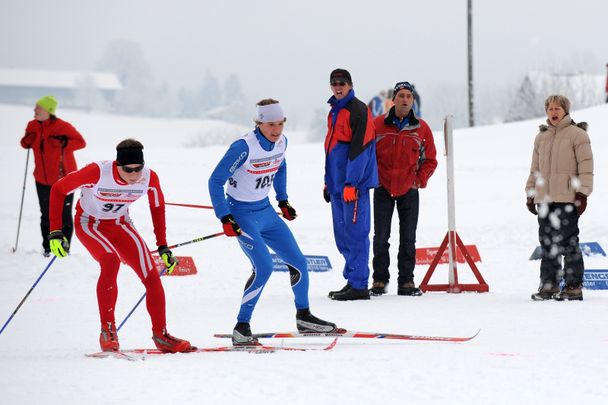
(562, 163)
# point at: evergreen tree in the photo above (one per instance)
(210, 93)
(126, 59)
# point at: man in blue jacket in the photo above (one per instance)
(350, 171)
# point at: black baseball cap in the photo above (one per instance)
(340, 74)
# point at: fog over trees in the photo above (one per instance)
(143, 95)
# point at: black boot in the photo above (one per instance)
(570, 294)
(545, 292)
(379, 288)
(241, 335)
(410, 289)
(307, 322)
(332, 293)
(351, 294)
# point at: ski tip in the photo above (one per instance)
(112, 354)
(468, 338)
(332, 344)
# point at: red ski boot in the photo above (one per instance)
(167, 343)
(108, 339)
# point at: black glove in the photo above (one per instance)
(326, 196)
(580, 202)
(289, 213)
(168, 258)
(531, 206)
(231, 228)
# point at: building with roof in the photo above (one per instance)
(81, 90)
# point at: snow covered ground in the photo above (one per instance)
(543, 352)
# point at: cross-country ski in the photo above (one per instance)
(140, 354)
(355, 334)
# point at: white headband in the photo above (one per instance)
(270, 113)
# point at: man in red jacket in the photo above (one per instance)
(405, 152)
(54, 142)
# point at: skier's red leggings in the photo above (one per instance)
(109, 241)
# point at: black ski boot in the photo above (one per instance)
(241, 335)
(307, 322)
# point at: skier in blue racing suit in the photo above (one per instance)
(251, 166)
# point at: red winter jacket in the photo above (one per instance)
(406, 158)
(54, 142)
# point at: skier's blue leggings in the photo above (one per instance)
(263, 229)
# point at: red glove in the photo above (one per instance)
(28, 140)
(419, 183)
(350, 194)
(231, 228)
(289, 213)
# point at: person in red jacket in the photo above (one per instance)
(53, 141)
(104, 227)
(405, 151)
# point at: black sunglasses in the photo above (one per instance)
(338, 84)
(132, 169)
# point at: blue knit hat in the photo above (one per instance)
(401, 86)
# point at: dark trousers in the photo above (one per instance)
(407, 210)
(558, 235)
(44, 194)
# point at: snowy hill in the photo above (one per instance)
(544, 352)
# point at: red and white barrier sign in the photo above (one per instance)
(185, 267)
(426, 255)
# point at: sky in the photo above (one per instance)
(286, 50)
(527, 352)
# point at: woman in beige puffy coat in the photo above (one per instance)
(560, 180)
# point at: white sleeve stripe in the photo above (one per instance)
(156, 199)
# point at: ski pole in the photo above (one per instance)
(202, 238)
(190, 205)
(27, 160)
(163, 272)
(27, 295)
(136, 305)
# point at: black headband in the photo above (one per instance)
(129, 156)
